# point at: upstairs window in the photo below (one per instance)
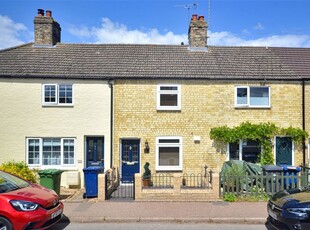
(54, 94)
(169, 97)
(252, 96)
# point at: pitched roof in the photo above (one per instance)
(120, 61)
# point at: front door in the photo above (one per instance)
(130, 159)
(95, 151)
(284, 151)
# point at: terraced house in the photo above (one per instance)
(69, 106)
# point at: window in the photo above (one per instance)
(169, 97)
(250, 96)
(169, 153)
(54, 94)
(50, 151)
(248, 151)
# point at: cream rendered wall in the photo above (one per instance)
(205, 104)
(22, 115)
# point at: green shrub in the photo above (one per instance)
(20, 169)
(230, 197)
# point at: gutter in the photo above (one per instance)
(303, 123)
(111, 85)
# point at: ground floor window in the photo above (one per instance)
(169, 153)
(50, 151)
(244, 150)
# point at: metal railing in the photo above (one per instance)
(162, 180)
(197, 180)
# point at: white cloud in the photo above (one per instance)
(229, 39)
(10, 32)
(113, 32)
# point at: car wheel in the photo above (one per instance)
(5, 224)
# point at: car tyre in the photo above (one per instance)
(5, 224)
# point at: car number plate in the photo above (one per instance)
(272, 214)
(55, 214)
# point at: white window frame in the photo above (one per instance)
(247, 104)
(62, 165)
(57, 98)
(176, 92)
(158, 145)
(241, 143)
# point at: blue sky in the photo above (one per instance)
(231, 22)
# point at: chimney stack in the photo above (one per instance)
(197, 32)
(46, 29)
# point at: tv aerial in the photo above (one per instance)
(189, 7)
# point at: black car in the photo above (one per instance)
(290, 209)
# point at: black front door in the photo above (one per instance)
(95, 151)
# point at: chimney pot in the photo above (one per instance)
(40, 12)
(48, 13)
(201, 18)
(194, 17)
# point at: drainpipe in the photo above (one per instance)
(303, 123)
(111, 85)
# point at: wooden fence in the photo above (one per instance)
(262, 184)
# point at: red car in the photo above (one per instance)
(24, 205)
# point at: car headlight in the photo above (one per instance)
(21, 205)
(299, 211)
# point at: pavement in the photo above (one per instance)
(80, 210)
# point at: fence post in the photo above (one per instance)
(177, 177)
(138, 186)
(101, 186)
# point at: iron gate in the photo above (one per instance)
(124, 191)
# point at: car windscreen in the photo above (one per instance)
(9, 182)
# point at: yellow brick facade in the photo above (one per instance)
(205, 104)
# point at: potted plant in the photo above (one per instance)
(146, 177)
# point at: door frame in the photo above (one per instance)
(275, 149)
(121, 151)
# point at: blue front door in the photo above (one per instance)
(95, 151)
(130, 159)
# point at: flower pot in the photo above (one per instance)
(146, 182)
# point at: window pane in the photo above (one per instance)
(34, 151)
(234, 151)
(49, 93)
(68, 151)
(168, 88)
(168, 141)
(65, 94)
(168, 100)
(242, 94)
(51, 152)
(259, 96)
(169, 156)
(250, 151)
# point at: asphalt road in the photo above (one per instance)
(154, 226)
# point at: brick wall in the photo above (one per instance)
(205, 104)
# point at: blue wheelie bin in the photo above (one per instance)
(290, 171)
(91, 181)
